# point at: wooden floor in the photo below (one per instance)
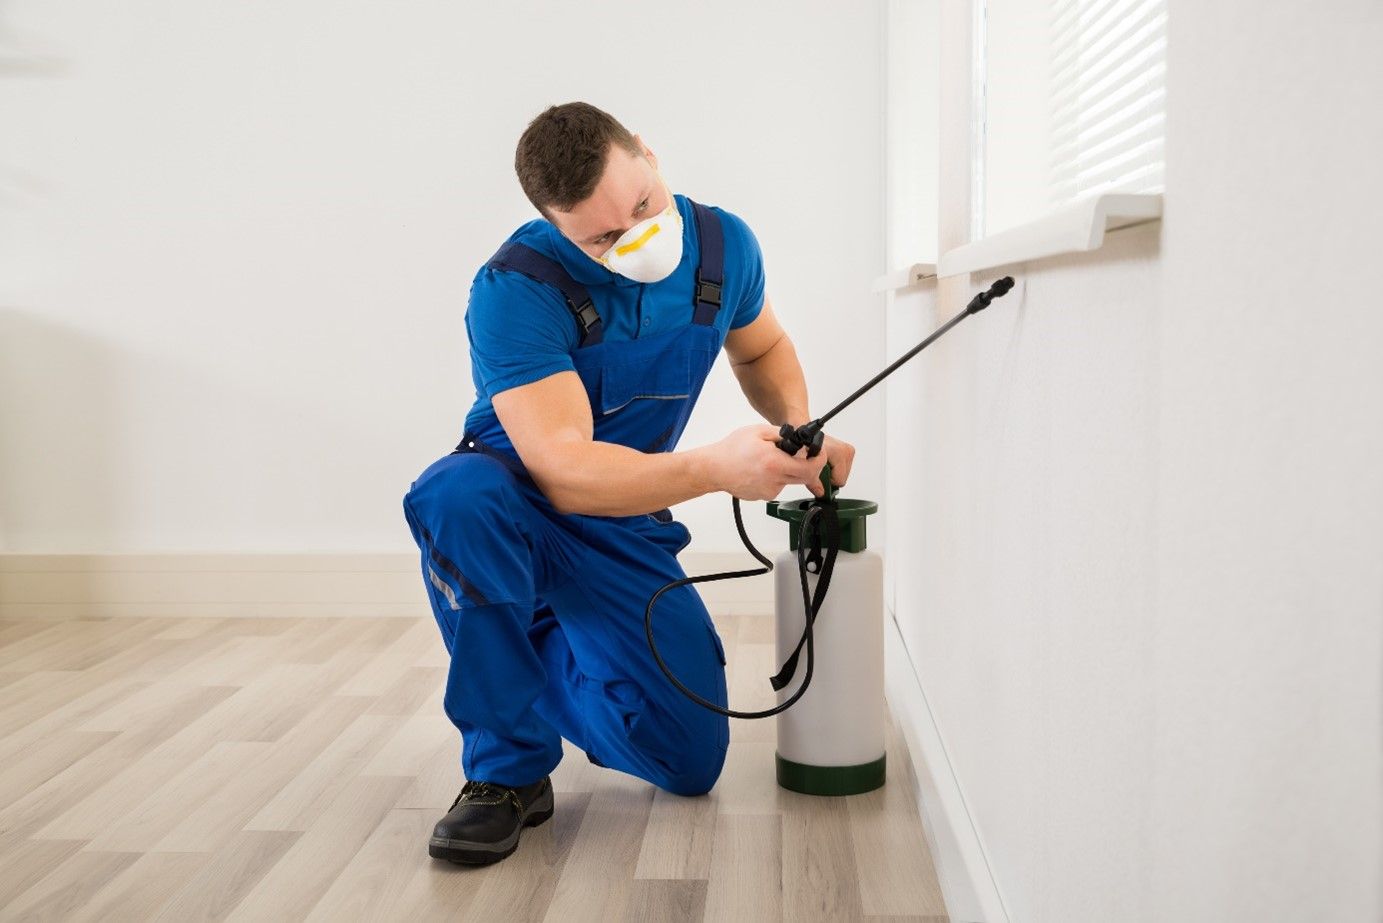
(292, 769)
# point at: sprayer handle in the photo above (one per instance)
(795, 437)
(830, 489)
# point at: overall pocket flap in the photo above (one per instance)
(666, 377)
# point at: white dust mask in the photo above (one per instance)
(651, 249)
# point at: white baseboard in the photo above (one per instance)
(273, 585)
(962, 865)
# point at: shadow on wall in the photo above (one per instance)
(24, 55)
(27, 55)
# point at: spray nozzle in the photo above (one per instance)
(998, 290)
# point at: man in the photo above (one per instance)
(547, 529)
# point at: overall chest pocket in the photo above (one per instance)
(667, 377)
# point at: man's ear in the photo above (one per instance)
(648, 154)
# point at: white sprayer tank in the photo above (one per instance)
(832, 741)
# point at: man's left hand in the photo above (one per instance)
(840, 455)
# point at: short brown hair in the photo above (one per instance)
(561, 154)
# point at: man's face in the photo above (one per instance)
(628, 192)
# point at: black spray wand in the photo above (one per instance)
(818, 519)
(809, 434)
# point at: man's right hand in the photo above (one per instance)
(748, 464)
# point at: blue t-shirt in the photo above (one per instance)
(521, 331)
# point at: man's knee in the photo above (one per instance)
(698, 772)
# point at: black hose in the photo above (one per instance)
(809, 609)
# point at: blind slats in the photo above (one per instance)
(1098, 27)
(1138, 47)
(1112, 145)
(1107, 96)
(1101, 27)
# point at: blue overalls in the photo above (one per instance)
(543, 612)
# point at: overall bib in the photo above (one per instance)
(543, 612)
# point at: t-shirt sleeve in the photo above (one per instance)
(520, 331)
(742, 253)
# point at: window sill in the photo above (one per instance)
(1077, 227)
(915, 274)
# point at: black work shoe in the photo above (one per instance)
(485, 819)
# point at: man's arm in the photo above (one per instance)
(549, 421)
(765, 362)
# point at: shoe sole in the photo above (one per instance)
(472, 852)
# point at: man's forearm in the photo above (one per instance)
(775, 385)
(607, 479)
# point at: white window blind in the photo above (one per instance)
(1108, 88)
(1073, 104)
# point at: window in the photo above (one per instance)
(1070, 100)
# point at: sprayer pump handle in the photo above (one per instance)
(795, 437)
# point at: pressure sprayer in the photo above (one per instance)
(833, 743)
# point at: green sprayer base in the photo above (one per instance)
(831, 780)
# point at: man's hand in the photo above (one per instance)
(841, 455)
(748, 464)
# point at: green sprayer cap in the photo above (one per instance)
(852, 515)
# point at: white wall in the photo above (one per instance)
(1144, 587)
(236, 241)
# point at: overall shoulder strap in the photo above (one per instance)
(710, 275)
(521, 258)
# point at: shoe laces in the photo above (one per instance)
(475, 790)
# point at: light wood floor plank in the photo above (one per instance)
(403, 654)
(595, 883)
(299, 801)
(750, 690)
(820, 877)
(884, 824)
(141, 890)
(575, 773)
(110, 768)
(45, 758)
(677, 842)
(301, 878)
(416, 738)
(66, 890)
(667, 902)
(411, 691)
(749, 783)
(746, 869)
(229, 878)
(207, 826)
(89, 698)
(108, 803)
(438, 777)
(204, 779)
(26, 862)
(371, 885)
(293, 768)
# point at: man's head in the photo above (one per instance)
(588, 175)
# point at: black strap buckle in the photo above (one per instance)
(707, 292)
(586, 315)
